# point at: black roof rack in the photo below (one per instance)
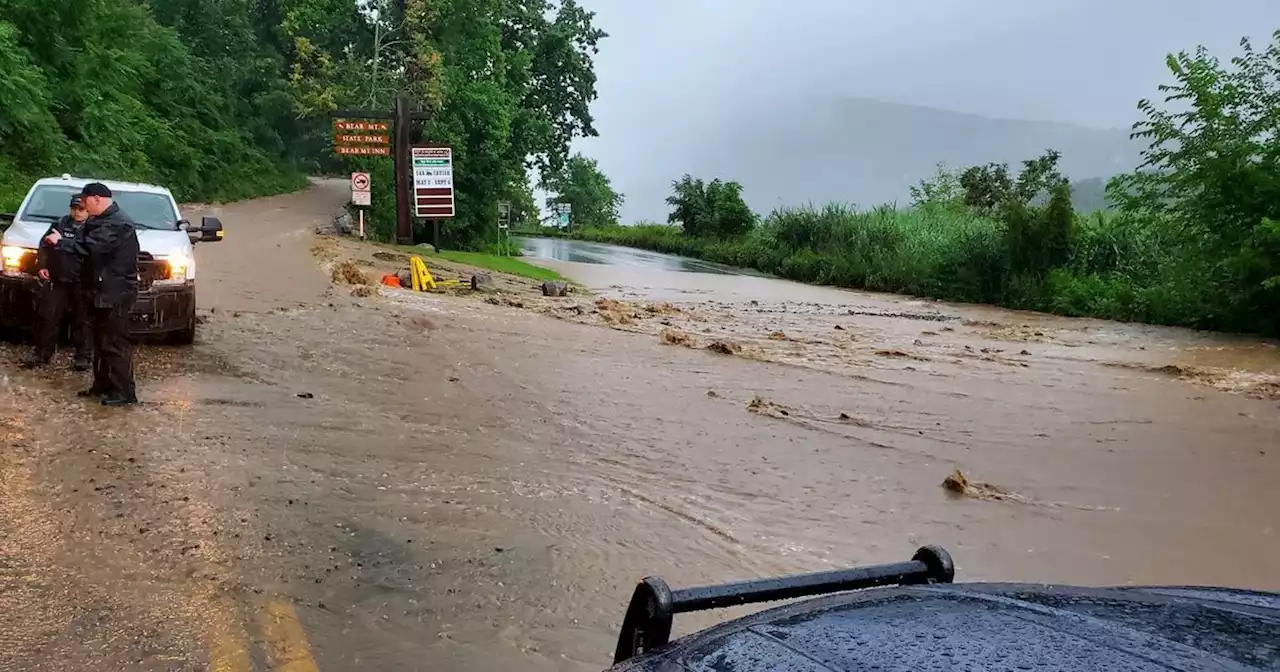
(647, 624)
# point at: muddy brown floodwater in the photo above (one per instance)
(413, 482)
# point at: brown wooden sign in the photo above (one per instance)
(350, 139)
(365, 150)
(361, 138)
(361, 127)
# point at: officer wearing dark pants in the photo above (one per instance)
(61, 293)
(108, 247)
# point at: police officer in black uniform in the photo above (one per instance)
(109, 248)
(61, 293)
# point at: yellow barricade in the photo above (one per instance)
(423, 281)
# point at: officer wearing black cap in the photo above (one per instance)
(108, 247)
(61, 293)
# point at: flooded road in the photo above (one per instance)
(582, 252)
(338, 482)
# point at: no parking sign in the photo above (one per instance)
(360, 189)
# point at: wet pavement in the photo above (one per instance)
(438, 482)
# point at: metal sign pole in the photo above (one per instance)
(504, 227)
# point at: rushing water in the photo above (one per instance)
(582, 252)
(639, 274)
(434, 482)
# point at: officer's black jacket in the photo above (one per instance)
(109, 246)
(63, 265)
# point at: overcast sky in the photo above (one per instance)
(673, 68)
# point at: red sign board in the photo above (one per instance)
(433, 203)
(363, 150)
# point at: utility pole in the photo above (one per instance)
(400, 149)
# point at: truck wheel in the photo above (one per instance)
(186, 335)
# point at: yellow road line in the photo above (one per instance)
(287, 647)
(229, 650)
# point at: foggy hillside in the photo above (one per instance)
(863, 151)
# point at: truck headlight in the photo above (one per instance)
(178, 264)
(14, 257)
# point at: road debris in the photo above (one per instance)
(960, 484)
(724, 347)
(616, 312)
(348, 272)
(550, 288)
(761, 406)
(676, 337)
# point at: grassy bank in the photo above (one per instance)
(541, 232)
(1113, 269)
(492, 262)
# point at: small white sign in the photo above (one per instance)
(361, 194)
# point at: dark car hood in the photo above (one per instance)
(992, 627)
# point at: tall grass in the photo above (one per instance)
(1117, 268)
(930, 252)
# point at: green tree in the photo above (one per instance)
(986, 187)
(1034, 207)
(76, 98)
(709, 209)
(942, 189)
(506, 83)
(582, 185)
(515, 79)
(1212, 174)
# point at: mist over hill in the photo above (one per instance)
(860, 151)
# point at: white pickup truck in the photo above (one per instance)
(166, 304)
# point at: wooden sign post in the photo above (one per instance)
(364, 133)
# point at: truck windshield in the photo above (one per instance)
(148, 211)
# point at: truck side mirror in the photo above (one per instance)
(192, 233)
(210, 229)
